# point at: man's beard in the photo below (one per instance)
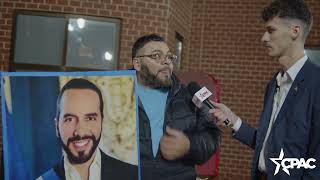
(152, 80)
(82, 157)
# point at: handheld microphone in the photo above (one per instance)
(200, 96)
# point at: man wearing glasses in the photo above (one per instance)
(174, 135)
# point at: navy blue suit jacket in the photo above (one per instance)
(296, 129)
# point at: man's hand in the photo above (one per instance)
(222, 113)
(174, 144)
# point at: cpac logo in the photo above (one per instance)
(290, 163)
(204, 94)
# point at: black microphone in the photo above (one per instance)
(201, 95)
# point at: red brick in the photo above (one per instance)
(68, 9)
(151, 5)
(129, 2)
(9, 22)
(7, 33)
(104, 12)
(7, 4)
(126, 15)
(156, 12)
(74, 3)
(145, 22)
(123, 8)
(7, 46)
(163, 7)
(51, 1)
(5, 27)
(62, 2)
(106, 1)
(116, 14)
(139, 16)
(38, 1)
(140, 4)
(118, 2)
(134, 9)
(56, 8)
(20, 5)
(92, 11)
(44, 7)
(32, 6)
(145, 11)
(133, 21)
(98, 6)
(80, 10)
(111, 7)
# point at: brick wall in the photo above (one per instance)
(138, 17)
(225, 41)
(222, 37)
(180, 18)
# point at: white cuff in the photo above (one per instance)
(237, 125)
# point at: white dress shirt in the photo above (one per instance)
(72, 174)
(284, 82)
(94, 172)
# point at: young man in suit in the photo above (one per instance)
(79, 120)
(290, 121)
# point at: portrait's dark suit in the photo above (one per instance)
(296, 129)
(111, 168)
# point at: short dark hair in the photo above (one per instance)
(79, 83)
(143, 41)
(294, 9)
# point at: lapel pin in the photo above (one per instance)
(295, 90)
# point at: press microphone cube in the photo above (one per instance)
(201, 96)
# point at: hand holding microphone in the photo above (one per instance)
(221, 112)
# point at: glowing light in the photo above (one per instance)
(81, 23)
(108, 56)
(70, 27)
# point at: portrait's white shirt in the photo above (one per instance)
(94, 170)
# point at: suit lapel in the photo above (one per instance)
(59, 169)
(296, 90)
(265, 119)
(106, 167)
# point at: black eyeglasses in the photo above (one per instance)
(160, 57)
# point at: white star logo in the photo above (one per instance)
(280, 158)
(291, 163)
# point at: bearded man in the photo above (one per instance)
(174, 134)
